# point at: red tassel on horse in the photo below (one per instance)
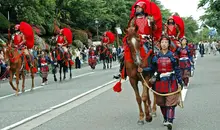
(71, 62)
(117, 87)
(27, 67)
(34, 70)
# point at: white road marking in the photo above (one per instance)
(184, 92)
(56, 107)
(38, 87)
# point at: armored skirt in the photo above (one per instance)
(44, 71)
(167, 85)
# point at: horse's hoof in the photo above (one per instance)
(153, 114)
(149, 119)
(140, 122)
(55, 79)
(17, 93)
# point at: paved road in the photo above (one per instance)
(14, 109)
(105, 110)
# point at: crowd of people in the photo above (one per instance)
(206, 47)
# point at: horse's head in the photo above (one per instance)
(8, 52)
(11, 53)
(134, 42)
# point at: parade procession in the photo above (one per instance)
(109, 65)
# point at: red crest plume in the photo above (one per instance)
(27, 30)
(69, 36)
(111, 36)
(179, 21)
(153, 10)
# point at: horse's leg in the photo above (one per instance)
(11, 79)
(111, 62)
(17, 81)
(60, 72)
(104, 66)
(64, 71)
(146, 98)
(23, 81)
(134, 84)
(70, 67)
(154, 108)
(54, 73)
(32, 79)
(107, 62)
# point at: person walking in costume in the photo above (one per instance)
(43, 61)
(185, 61)
(166, 78)
(173, 32)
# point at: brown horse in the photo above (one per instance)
(133, 41)
(17, 67)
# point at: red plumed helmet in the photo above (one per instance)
(111, 36)
(171, 17)
(141, 4)
(17, 26)
(28, 32)
(179, 21)
(68, 33)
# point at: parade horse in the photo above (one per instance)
(61, 61)
(135, 56)
(18, 64)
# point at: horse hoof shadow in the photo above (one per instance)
(149, 119)
(140, 122)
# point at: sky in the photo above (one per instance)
(184, 7)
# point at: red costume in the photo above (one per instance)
(144, 27)
(25, 33)
(60, 40)
(44, 68)
(172, 30)
(192, 49)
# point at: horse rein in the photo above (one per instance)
(163, 95)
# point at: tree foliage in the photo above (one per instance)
(77, 14)
(212, 15)
(190, 28)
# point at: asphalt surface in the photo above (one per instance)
(16, 108)
(108, 110)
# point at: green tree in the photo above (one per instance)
(212, 15)
(191, 27)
